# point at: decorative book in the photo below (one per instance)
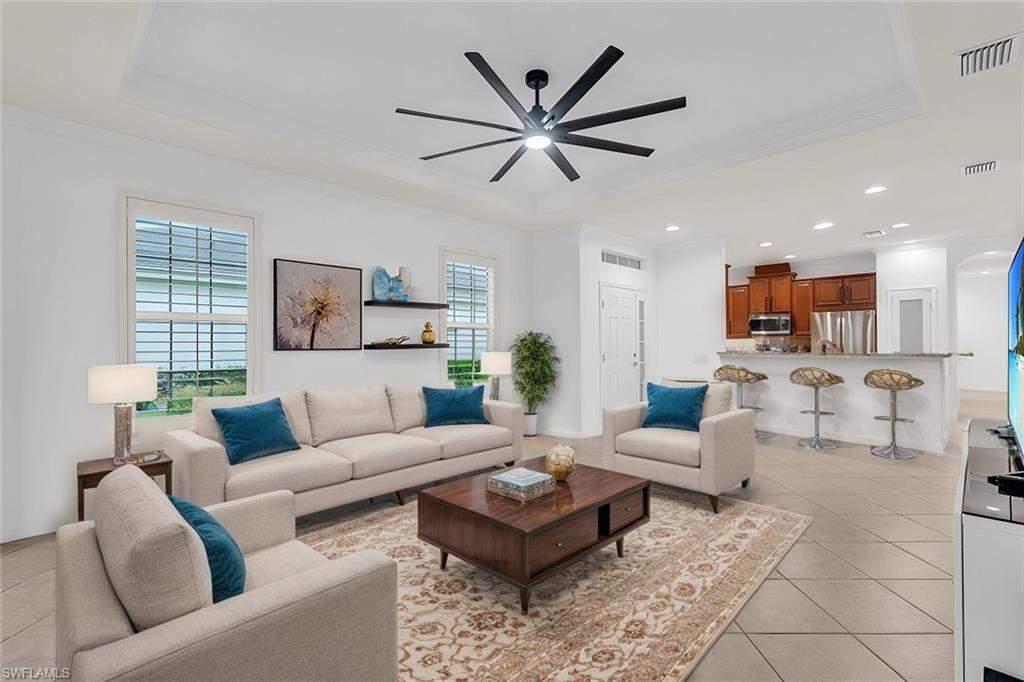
(521, 484)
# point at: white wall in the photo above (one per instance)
(981, 329)
(61, 230)
(910, 269)
(820, 267)
(690, 296)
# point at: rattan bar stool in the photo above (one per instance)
(894, 381)
(734, 374)
(816, 378)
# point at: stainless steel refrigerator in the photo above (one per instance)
(852, 331)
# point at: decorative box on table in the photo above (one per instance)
(521, 484)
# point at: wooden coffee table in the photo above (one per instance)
(528, 542)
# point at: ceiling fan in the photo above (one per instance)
(544, 129)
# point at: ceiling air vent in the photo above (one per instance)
(622, 260)
(984, 57)
(978, 168)
(874, 234)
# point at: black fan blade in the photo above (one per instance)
(555, 154)
(456, 119)
(607, 145)
(621, 115)
(508, 164)
(582, 85)
(503, 92)
(471, 147)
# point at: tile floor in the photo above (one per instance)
(865, 595)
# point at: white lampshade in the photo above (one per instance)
(122, 383)
(495, 363)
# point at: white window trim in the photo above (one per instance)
(473, 258)
(152, 428)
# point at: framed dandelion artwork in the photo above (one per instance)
(317, 306)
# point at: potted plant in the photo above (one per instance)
(534, 373)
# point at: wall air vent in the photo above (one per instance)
(622, 260)
(874, 234)
(992, 55)
(978, 168)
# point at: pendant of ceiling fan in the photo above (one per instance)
(544, 129)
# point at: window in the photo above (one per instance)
(188, 311)
(469, 323)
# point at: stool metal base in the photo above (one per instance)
(892, 451)
(764, 435)
(817, 443)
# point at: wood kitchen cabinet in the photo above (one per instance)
(737, 312)
(771, 293)
(852, 292)
(802, 303)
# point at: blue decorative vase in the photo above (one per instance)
(388, 288)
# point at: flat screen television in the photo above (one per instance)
(1015, 354)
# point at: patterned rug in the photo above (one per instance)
(648, 616)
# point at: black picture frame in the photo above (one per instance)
(285, 338)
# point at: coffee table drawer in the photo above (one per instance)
(554, 544)
(626, 510)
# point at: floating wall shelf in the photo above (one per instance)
(407, 304)
(402, 346)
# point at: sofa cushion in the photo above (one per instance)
(294, 404)
(227, 566)
(304, 469)
(343, 414)
(447, 406)
(464, 439)
(718, 399)
(252, 431)
(675, 407)
(155, 562)
(377, 453)
(674, 446)
(275, 563)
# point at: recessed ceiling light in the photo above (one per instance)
(910, 241)
(874, 234)
(765, 244)
(897, 226)
(986, 272)
(537, 141)
(672, 228)
(875, 189)
(790, 256)
(823, 225)
(990, 253)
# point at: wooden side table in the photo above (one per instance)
(90, 474)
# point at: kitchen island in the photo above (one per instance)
(933, 406)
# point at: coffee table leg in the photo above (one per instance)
(444, 559)
(524, 599)
(619, 546)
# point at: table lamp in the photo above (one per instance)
(122, 386)
(496, 364)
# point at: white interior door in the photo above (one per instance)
(912, 320)
(620, 371)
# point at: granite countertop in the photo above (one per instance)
(761, 353)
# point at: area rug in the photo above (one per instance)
(650, 615)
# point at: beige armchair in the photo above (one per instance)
(134, 601)
(717, 458)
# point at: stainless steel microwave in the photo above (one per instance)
(770, 324)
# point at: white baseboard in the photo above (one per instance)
(566, 433)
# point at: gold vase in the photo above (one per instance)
(428, 335)
(560, 461)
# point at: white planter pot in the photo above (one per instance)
(530, 428)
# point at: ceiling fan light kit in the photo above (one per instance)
(544, 129)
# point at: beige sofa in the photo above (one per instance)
(355, 444)
(717, 458)
(134, 599)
